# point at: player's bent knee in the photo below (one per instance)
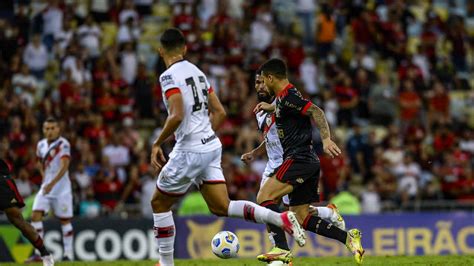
(220, 209)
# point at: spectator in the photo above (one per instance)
(326, 31)
(25, 85)
(410, 102)
(408, 174)
(128, 13)
(143, 93)
(348, 100)
(24, 185)
(305, 10)
(117, 154)
(52, 22)
(382, 103)
(129, 63)
(128, 32)
(438, 105)
(89, 207)
(370, 200)
(261, 31)
(63, 38)
(89, 36)
(309, 75)
(35, 57)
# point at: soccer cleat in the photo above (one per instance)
(48, 260)
(276, 254)
(291, 226)
(34, 258)
(336, 218)
(66, 258)
(353, 243)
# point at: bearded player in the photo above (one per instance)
(274, 150)
(298, 175)
(54, 153)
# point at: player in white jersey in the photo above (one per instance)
(194, 113)
(274, 151)
(54, 154)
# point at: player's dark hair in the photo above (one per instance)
(275, 67)
(172, 38)
(51, 119)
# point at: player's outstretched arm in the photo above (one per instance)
(174, 119)
(217, 111)
(250, 156)
(320, 119)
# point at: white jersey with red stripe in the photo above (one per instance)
(266, 124)
(195, 132)
(50, 155)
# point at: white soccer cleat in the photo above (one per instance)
(336, 218)
(48, 260)
(291, 226)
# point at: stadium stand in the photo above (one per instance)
(395, 80)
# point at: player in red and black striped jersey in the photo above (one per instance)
(298, 176)
(10, 203)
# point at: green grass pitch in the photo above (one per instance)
(389, 260)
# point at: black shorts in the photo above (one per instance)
(304, 177)
(9, 195)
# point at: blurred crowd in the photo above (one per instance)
(394, 78)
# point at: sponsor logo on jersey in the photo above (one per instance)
(166, 80)
(208, 139)
(300, 180)
(293, 106)
(13, 201)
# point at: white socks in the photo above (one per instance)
(68, 235)
(324, 212)
(253, 212)
(164, 233)
(38, 226)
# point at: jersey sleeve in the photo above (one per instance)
(295, 103)
(169, 85)
(210, 89)
(38, 153)
(65, 151)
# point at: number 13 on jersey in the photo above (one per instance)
(196, 95)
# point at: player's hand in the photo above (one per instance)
(47, 188)
(330, 148)
(247, 157)
(265, 107)
(158, 159)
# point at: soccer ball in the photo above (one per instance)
(225, 245)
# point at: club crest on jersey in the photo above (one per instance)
(166, 80)
(269, 120)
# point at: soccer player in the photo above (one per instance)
(10, 203)
(274, 150)
(298, 175)
(54, 154)
(194, 113)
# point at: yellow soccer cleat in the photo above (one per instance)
(353, 243)
(275, 254)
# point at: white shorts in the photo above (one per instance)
(185, 168)
(285, 198)
(61, 204)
